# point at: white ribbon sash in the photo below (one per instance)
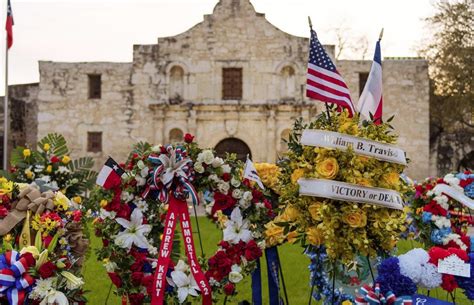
(361, 146)
(455, 194)
(350, 192)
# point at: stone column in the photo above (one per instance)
(159, 114)
(271, 135)
(192, 118)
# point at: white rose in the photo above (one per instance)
(223, 187)
(217, 162)
(244, 203)
(234, 275)
(260, 205)
(140, 181)
(206, 156)
(247, 196)
(144, 171)
(140, 164)
(226, 168)
(237, 193)
(214, 178)
(235, 182)
(198, 167)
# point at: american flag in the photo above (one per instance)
(9, 25)
(324, 83)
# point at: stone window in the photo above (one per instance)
(363, 76)
(232, 83)
(176, 85)
(94, 141)
(176, 135)
(287, 82)
(95, 86)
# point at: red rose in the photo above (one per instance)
(147, 281)
(13, 169)
(226, 177)
(136, 298)
(188, 138)
(47, 240)
(222, 202)
(229, 288)
(115, 279)
(137, 278)
(30, 260)
(252, 251)
(47, 270)
(5, 199)
(105, 242)
(3, 212)
(55, 159)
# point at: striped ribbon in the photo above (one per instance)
(372, 296)
(15, 282)
(174, 172)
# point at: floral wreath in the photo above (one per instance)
(130, 224)
(345, 229)
(440, 219)
(43, 246)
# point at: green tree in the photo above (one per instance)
(450, 52)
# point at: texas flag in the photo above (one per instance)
(110, 175)
(371, 100)
(9, 25)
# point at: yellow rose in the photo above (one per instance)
(26, 153)
(315, 236)
(269, 173)
(328, 168)
(392, 179)
(46, 147)
(273, 234)
(49, 168)
(103, 203)
(290, 214)
(347, 302)
(66, 160)
(297, 174)
(349, 127)
(77, 199)
(355, 220)
(315, 211)
(364, 182)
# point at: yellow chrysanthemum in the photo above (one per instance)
(26, 152)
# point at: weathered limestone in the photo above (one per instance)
(177, 83)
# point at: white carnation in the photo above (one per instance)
(411, 263)
(430, 278)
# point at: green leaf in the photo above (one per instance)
(57, 142)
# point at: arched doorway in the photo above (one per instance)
(233, 145)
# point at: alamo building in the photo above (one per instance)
(234, 81)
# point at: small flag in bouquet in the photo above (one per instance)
(110, 175)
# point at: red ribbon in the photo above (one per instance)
(178, 210)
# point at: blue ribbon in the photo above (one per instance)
(273, 264)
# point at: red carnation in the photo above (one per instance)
(449, 282)
(47, 270)
(55, 159)
(188, 138)
(137, 278)
(115, 279)
(229, 288)
(147, 281)
(226, 177)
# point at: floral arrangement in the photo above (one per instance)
(346, 229)
(51, 166)
(42, 248)
(440, 219)
(403, 275)
(132, 217)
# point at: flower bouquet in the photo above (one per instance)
(43, 246)
(51, 166)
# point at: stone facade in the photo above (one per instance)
(176, 86)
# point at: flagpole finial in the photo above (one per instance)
(310, 23)
(381, 34)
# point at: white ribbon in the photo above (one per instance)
(350, 192)
(361, 146)
(455, 194)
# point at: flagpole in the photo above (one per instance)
(5, 110)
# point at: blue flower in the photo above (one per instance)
(426, 217)
(437, 235)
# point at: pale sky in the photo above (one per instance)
(105, 30)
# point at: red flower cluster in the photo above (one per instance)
(434, 208)
(221, 263)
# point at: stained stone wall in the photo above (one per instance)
(177, 84)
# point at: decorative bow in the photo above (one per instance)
(173, 171)
(75, 236)
(30, 198)
(15, 281)
(371, 296)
